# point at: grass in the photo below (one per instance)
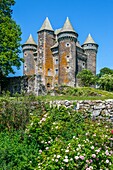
(67, 93)
(84, 93)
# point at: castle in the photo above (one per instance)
(57, 58)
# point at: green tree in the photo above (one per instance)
(10, 37)
(104, 71)
(86, 78)
(105, 82)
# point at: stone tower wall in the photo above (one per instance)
(46, 41)
(67, 61)
(91, 60)
(29, 64)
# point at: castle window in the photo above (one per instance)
(56, 61)
(56, 71)
(83, 65)
(40, 50)
(48, 85)
(67, 44)
(67, 56)
(49, 72)
(25, 68)
(40, 41)
(67, 67)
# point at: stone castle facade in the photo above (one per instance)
(56, 59)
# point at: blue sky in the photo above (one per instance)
(87, 16)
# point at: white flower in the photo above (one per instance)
(66, 150)
(107, 153)
(79, 145)
(93, 155)
(58, 156)
(66, 157)
(56, 160)
(76, 157)
(65, 160)
(47, 148)
(40, 151)
(73, 137)
(92, 147)
(107, 161)
(43, 119)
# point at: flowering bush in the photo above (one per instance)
(68, 141)
(58, 139)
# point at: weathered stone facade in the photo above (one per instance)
(55, 60)
(58, 56)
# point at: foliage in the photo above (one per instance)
(10, 36)
(76, 93)
(15, 112)
(86, 78)
(104, 71)
(106, 82)
(58, 138)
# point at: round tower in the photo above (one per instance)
(90, 48)
(29, 47)
(67, 38)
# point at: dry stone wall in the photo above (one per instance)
(99, 109)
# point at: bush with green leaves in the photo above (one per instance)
(105, 82)
(58, 138)
(69, 141)
(86, 78)
(15, 112)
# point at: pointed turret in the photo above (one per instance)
(67, 26)
(29, 47)
(30, 40)
(89, 40)
(67, 30)
(46, 25)
(90, 43)
(90, 49)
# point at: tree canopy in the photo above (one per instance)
(104, 71)
(86, 78)
(10, 37)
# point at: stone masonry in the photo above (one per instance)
(99, 109)
(58, 56)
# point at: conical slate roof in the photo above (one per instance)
(46, 25)
(67, 26)
(89, 40)
(30, 40)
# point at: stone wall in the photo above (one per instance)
(98, 108)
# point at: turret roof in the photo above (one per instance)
(89, 40)
(46, 25)
(67, 26)
(30, 40)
